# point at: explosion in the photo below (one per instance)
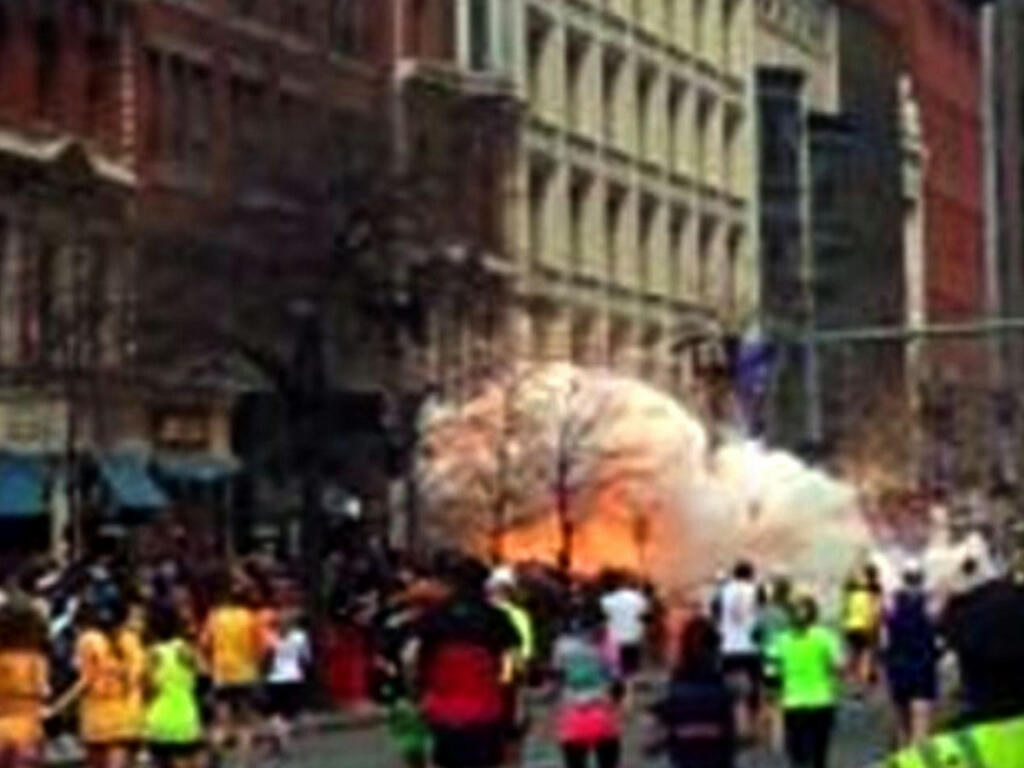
(611, 473)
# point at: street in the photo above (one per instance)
(860, 743)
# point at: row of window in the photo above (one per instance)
(683, 279)
(646, 115)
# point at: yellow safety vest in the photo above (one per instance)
(993, 745)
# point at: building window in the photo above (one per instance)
(644, 88)
(579, 190)
(705, 105)
(246, 8)
(182, 430)
(575, 61)
(47, 39)
(648, 218)
(676, 255)
(535, 55)
(611, 70)
(730, 132)
(614, 204)
(178, 96)
(540, 181)
(676, 94)
(348, 26)
(480, 34)
(732, 266)
(705, 260)
(728, 33)
(248, 125)
(200, 117)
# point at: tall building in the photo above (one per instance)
(634, 178)
(202, 134)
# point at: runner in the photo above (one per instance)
(291, 661)
(696, 718)
(173, 729)
(111, 664)
(992, 658)
(502, 590)
(625, 609)
(775, 618)
(809, 659)
(463, 648)
(741, 656)
(911, 657)
(23, 684)
(588, 720)
(233, 643)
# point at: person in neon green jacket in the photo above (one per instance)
(808, 657)
(172, 725)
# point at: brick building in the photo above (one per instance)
(175, 132)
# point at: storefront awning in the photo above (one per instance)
(22, 487)
(130, 483)
(198, 467)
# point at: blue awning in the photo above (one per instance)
(22, 486)
(197, 467)
(129, 481)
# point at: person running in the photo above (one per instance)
(862, 611)
(775, 618)
(463, 645)
(626, 609)
(111, 664)
(290, 665)
(741, 656)
(911, 658)
(588, 719)
(24, 675)
(696, 718)
(232, 641)
(503, 592)
(173, 728)
(991, 735)
(809, 658)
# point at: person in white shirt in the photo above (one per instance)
(625, 610)
(290, 661)
(741, 655)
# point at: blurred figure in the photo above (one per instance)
(776, 617)
(992, 661)
(588, 719)
(809, 659)
(696, 718)
(625, 610)
(741, 656)
(232, 641)
(24, 675)
(111, 664)
(291, 660)
(911, 658)
(862, 609)
(173, 730)
(463, 648)
(502, 591)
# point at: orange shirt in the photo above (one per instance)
(234, 643)
(23, 689)
(112, 701)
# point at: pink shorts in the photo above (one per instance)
(588, 723)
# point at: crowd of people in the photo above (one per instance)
(189, 664)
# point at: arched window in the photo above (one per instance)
(349, 27)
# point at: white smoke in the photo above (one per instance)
(709, 507)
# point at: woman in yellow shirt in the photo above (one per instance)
(111, 664)
(23, 684)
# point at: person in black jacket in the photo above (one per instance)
(695, 718)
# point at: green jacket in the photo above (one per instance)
(992, 745)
